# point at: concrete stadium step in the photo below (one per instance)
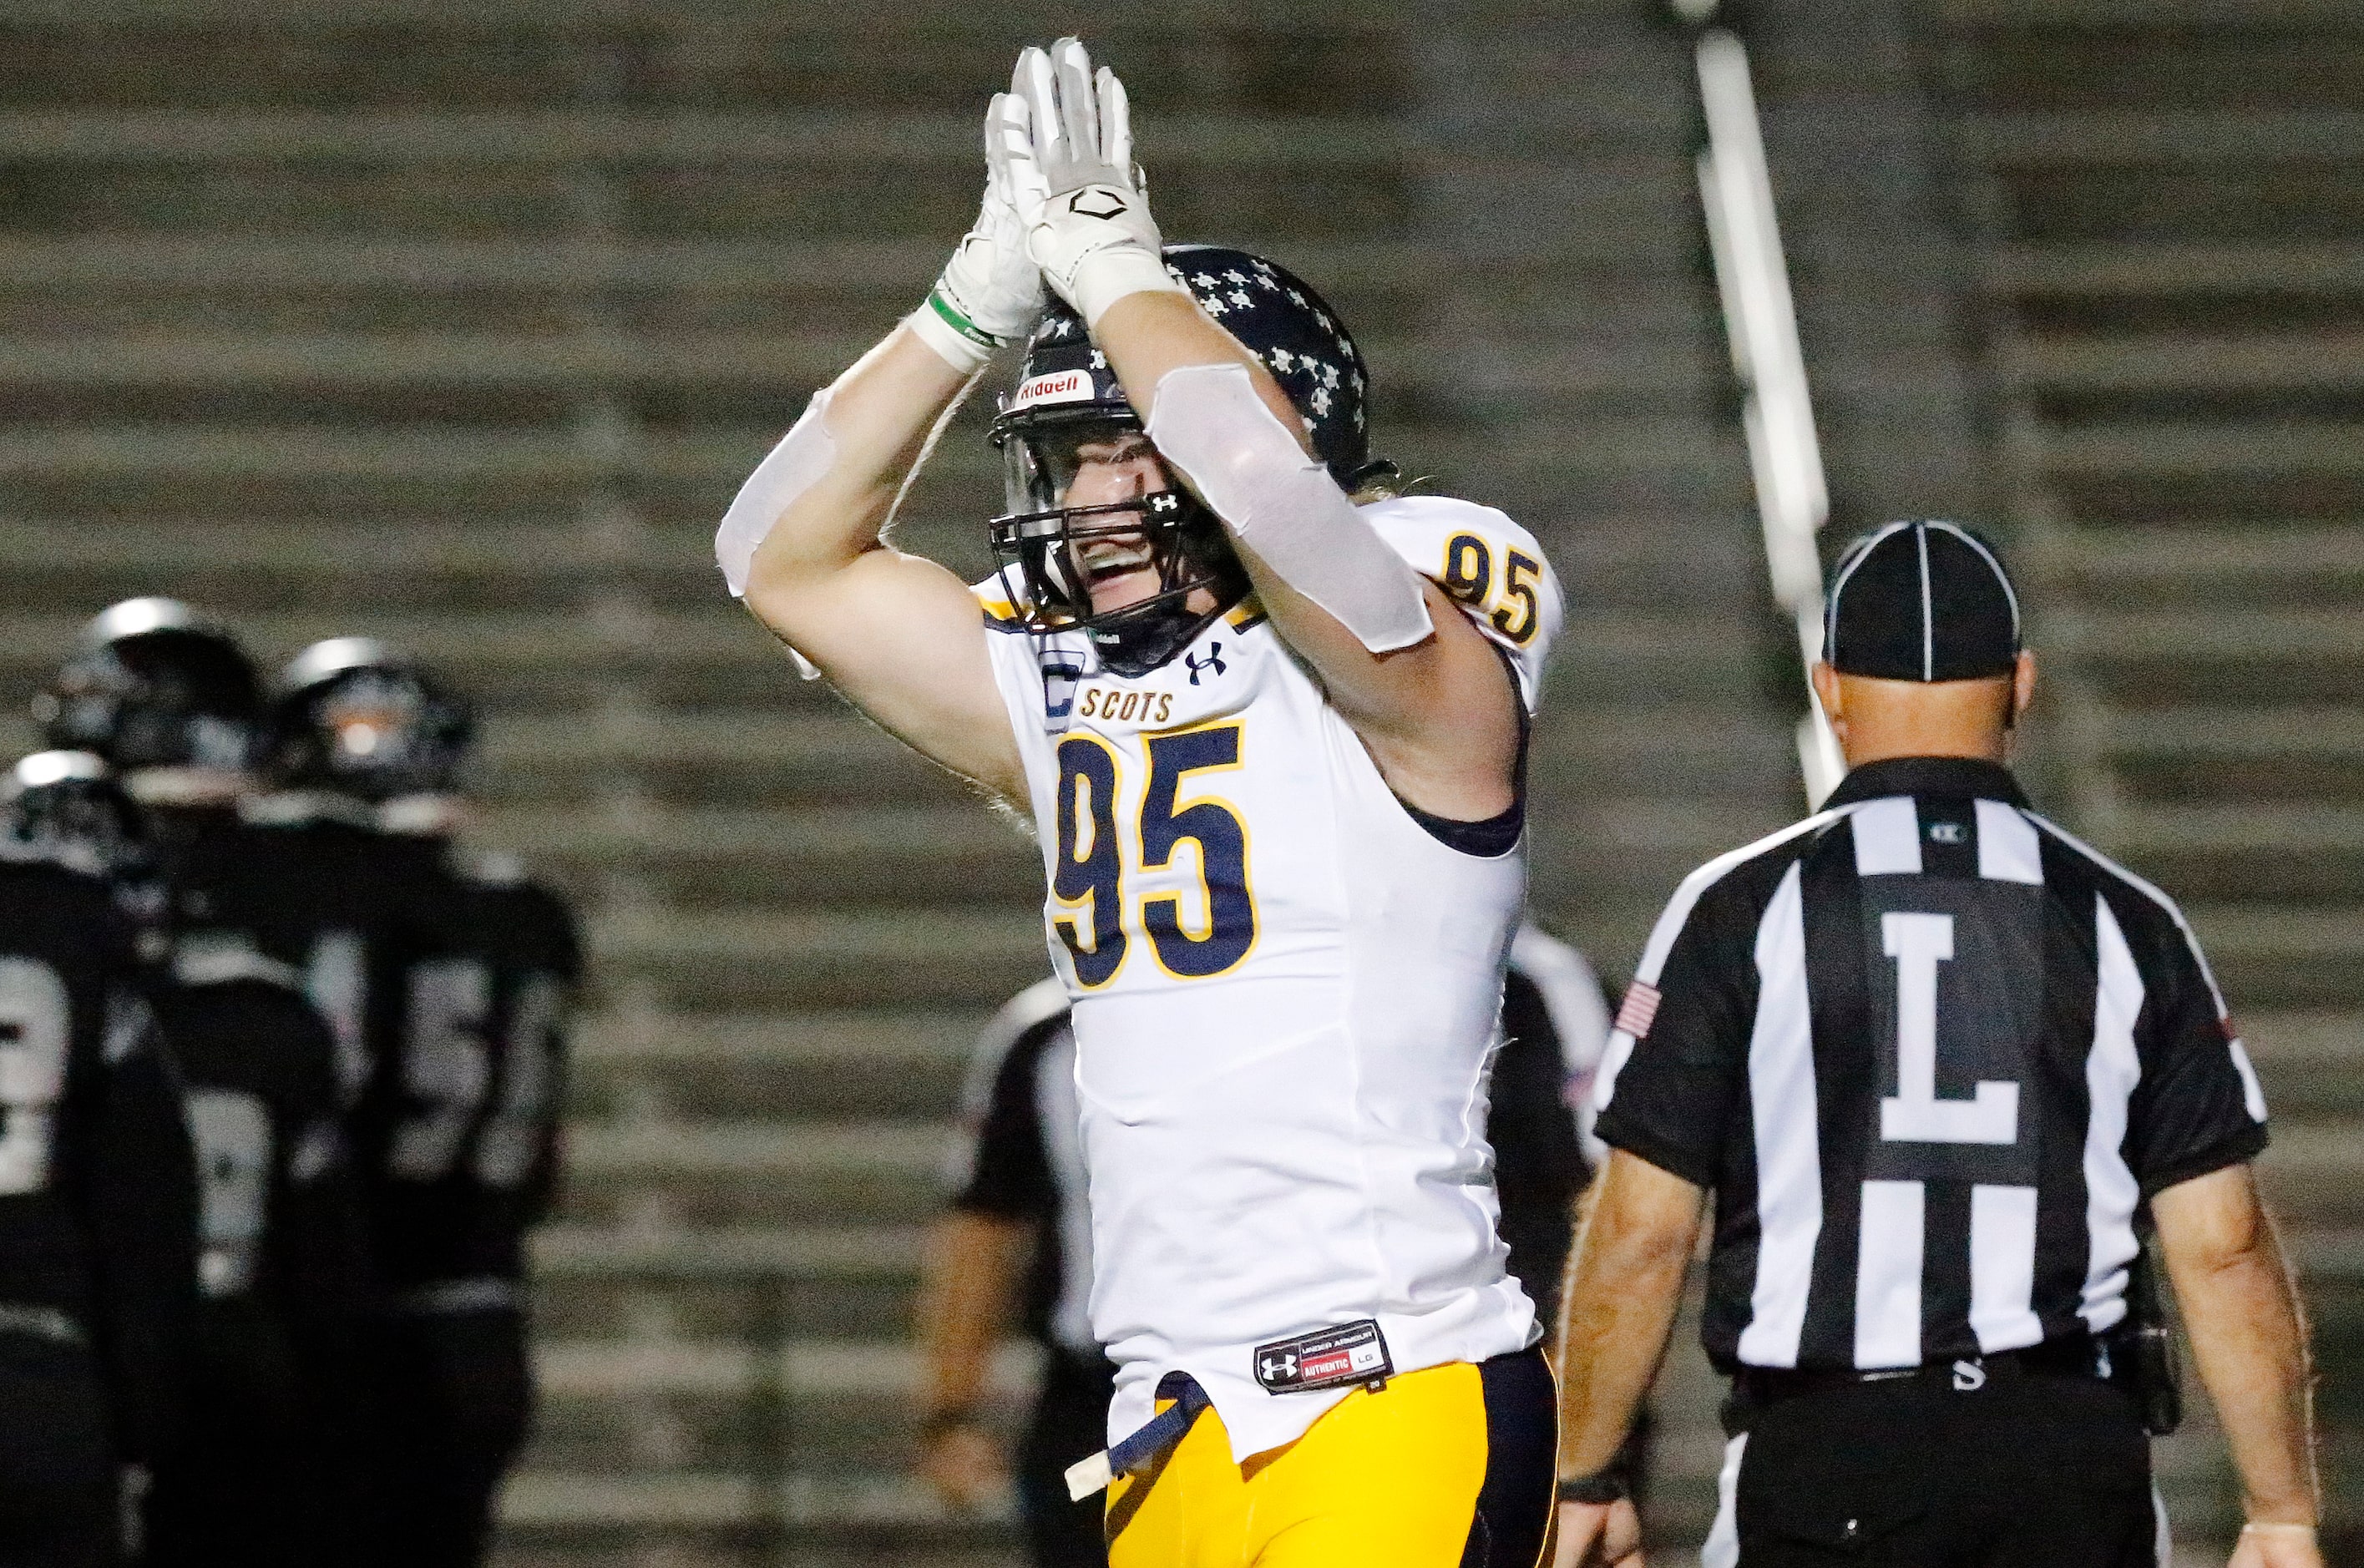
(653, 273)
(957, 851)
(878, 1517)
(2308, 559)
(2286, 734)
(2153, 450)
(827, 1408)
(2266, 273)
(648, 1275)
(2284, 955)
(779, 137)
(765, 1174)
(711, 958)
(808, 1063)
(2305, 1061)
(2112, 143)
(2125, 367)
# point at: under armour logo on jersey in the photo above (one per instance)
(1946, 832)
(1326, 1358)
(1212, 662)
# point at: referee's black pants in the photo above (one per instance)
(2029, 1471)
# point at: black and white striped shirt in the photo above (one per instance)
(1933, 1054)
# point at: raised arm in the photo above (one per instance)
(2249, 1340)
(803, 544)
(1439, 713)
(1420, 685)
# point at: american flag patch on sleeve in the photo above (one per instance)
(1640, 1007)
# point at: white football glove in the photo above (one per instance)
(991, 291)
(1094, 238)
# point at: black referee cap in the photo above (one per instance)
(1921, 601)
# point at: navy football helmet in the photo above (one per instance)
(355, 718)
(155, 686)
(1067, 395)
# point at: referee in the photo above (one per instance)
(1940, 1064)
(1018, 1230)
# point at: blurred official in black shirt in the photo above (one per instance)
(1941, 1063)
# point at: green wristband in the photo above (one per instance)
(959, 323)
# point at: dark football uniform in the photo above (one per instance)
(310, 882)
(457, 1132)
(97, 1219)
(269, 1473)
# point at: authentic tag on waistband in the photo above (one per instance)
(1327, 1358)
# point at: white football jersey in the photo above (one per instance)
(1285, 996)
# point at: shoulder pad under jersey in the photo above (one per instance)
(1490, 565)
(992, 596)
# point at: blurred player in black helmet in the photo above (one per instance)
(97, 1203)
(172, 704)
(456, 1129)
(264, 1474)
(171, 701)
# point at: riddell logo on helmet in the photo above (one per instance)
(1062, 386)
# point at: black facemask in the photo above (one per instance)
(1043, 573)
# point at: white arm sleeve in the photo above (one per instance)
(1207, 421)
(792, 467)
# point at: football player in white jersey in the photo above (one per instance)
(1270, 721)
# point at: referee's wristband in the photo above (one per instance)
(1606, 1486)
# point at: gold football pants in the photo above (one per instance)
(1449, 1467)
